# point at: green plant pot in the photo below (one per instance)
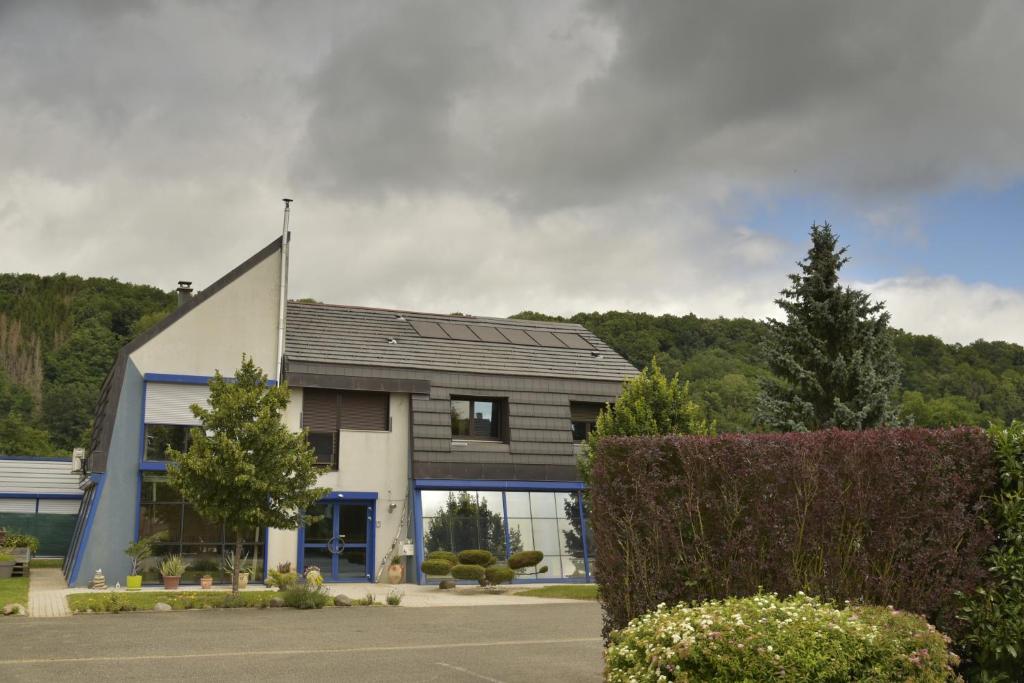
(135, 582)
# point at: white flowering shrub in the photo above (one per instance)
(765, 638)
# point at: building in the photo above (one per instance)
(40, 497)
(433, 431)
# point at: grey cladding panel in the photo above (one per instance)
(435, 419)
(534, 410)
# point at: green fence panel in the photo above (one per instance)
(53, 531)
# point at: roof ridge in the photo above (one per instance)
(468, 319)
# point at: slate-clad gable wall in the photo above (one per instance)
(540, 445)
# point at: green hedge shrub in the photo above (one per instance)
(497, 573)
(994, 612)
(480, 557)
(764, 638)
(468, 572)
(306, 596)
(451, 558)
(436, 567)
(525, 558)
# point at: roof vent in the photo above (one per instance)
(596, 354)
(392, 340)
(400, 317)
(184, 292)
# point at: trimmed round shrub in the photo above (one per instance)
(451, 558)
(468, 572)
(498, 574)
(482, 558)
(525, 558)
(305, 596)
(764, 638)
(436, 567)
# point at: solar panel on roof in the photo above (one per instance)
(458, 331)
(488, 334)
(573, 340)
(545, 338)
(516, 336)
(428, 329)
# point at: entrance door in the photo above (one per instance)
(339, 543)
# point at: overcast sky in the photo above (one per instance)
(557, 156)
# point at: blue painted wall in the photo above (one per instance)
(113, 527)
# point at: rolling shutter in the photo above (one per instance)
(584, 412)
(364, 410)
(59, 506)
(170, 404)
(320, 410)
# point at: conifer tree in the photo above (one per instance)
(833, 357)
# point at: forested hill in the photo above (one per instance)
(943, 384)
(59, 335)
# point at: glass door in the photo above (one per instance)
(338, 543)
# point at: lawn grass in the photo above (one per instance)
(14, 590)
(145, 600)
(572, 591)
(46, 563)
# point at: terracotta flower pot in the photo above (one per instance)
(396, 573)
(243, 580)
(171, 582)
(206, 582)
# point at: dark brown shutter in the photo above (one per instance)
(364, 410)
(320, 410)
(584, 412)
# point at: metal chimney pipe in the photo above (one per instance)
(285, 238)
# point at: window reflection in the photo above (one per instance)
(537, 520)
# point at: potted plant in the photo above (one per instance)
(138, 552)
(171, 569)
(6, 564)
(206, 581)
(396, 572)
(243, 571)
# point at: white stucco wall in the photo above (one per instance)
(368, 461)
(241, 318)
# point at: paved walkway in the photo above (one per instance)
(46, 593)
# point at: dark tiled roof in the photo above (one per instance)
(324, 333)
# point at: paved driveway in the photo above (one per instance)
(498, 644)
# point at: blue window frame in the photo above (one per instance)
(340, 541)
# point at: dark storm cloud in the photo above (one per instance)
(871, 99)
(494, 156)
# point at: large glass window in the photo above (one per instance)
(478, 418)
(537, 520)
(160, 437)
(203, 545)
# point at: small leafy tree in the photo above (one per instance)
(650, 404)
(244, 468)
(141, 550)
(833, 358)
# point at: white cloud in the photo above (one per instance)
(951, 309)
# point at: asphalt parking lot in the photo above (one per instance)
(553, 642)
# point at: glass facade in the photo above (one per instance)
(161, 437)
(202, 544)
(548, 521)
